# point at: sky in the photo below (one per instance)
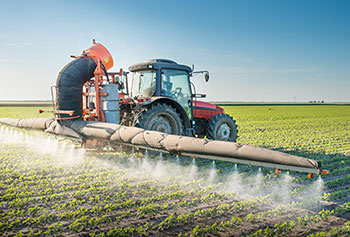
(263, 50)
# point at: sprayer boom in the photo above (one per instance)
(181, 145)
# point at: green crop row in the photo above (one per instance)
(340, 231)
(111, 194)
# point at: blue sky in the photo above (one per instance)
(255, 50)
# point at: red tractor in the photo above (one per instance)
(162, 99)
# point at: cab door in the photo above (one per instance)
(176, 84)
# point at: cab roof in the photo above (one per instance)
(159, 64)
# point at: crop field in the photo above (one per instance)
(47, 187)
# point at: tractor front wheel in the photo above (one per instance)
(161, 118)
(222, 127)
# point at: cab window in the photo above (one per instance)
(175, 84)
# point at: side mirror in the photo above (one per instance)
(199, 95)
(206, 76)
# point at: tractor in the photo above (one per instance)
(163, 99)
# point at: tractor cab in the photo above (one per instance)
(162, 90)
(164, 79)
(164, 83)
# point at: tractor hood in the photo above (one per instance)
(207, 106)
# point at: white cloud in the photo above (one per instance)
(4, 60)
(264, 70)
(18, 45)
(7, 60)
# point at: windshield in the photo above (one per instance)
(143, 83)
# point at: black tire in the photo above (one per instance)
(200, 127)
(162, 118)
(222, 127)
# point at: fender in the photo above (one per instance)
(204, 110)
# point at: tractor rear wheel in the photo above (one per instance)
(161, 118)
(222, 127)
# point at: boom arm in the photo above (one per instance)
(181, 145)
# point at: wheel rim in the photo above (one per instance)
(224, 132)
(163, 123)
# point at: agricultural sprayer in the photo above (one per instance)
(159, 112)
